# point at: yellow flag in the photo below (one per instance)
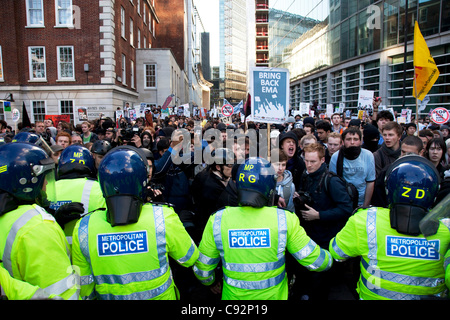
(425, 69)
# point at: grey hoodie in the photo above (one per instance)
(286, 189)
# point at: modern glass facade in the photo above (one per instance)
(233, 49)
(360, 45)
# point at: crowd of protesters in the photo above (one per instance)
(359, 151)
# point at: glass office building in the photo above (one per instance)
(359, 45)
(233, 49)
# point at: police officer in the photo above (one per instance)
(397, 261)
(99, 149)
(77, 190)
(15, 289)
(123, 252)
(251, 240)
(34, 248)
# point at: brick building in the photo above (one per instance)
(59, 55)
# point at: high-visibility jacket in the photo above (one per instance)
(34, 249)
(447, 268)
(251, 243)
(131, 262)
(394, 266)
(15, 289)
(84, 190)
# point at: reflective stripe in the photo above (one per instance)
(401, 278)
(143, 295)
(217, 232)
(305, 251)
(83, 237)
(320, 260)
(19, 223)
(372, 268)
(446, 222)
(40, 294)
(255, 285)
(203, 273)
(86, 280)
(207, 260)
(188, 255)
(339, 251)
(392, 294)
(58, 287)
(371, 228)
(255, 267)
(63, 285)
(128, 278)
(86, 194)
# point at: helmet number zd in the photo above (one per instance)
(419, 193)
(79, 161)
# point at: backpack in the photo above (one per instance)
(349, 187)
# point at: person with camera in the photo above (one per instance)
(323, 211)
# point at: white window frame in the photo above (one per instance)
(138, 38)
(69, 24)
(71, 114)
(36, 25)
(145, 75)
(58, 53)
(124, 69)
(30, 64)
(138, 7)
(33, 114)
(132, 74)
(122, 22)
(131, 32)
(2, 70)
(154, 27)
(150, 22)
(145, 42)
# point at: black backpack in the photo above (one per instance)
(349, 187)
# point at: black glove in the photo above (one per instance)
(68, 212)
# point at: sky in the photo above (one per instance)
(209, 14)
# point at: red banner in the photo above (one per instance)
(57, 118)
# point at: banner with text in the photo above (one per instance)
(269, 89)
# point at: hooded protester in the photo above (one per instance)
(371, 136)
(295, 164)
(147, 140)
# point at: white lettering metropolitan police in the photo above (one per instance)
(414, 248)
(112, 244)
(249, 238)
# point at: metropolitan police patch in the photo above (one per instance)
(112, 244)
(413, 248)
(249, 238)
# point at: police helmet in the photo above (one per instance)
(23, 169)
(123, 175)
(76, 159)
(101, 147)
(33, 138)
(412, 183)
(256, 180)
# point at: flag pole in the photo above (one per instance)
(417, 104)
